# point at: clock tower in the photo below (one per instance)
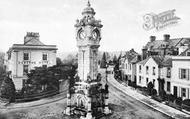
(88, 35)
(88, 98)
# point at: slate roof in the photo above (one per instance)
(143, 62)
(161, 61)
(165, 61)
(136, 59)
(130, 55)
(34, 42)
(171, 43)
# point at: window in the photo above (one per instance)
(44, 57)
(146, 80)
(126, 66)
(154, 82)
(44, 66)
(183, 92)
(168, 72)
(168, 86)
(139, 79)
(26, 56)
(183, 73)
(153, 71)
(147, 68)
(25, 69)
(139, 68)
(188, 53)
(24, 82)
(130, 65)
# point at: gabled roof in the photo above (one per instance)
(176, 42)
(136, 59)
(130, 55)
(161, 61)
(34, 42)
(165, 61)
(143, 62)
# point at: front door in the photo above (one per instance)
(175, 91)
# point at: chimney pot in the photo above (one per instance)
(152, 38)
(166, 37)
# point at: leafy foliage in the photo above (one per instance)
(7, 89)
(150, 87)
(117, 72)
(154, 92)
(186, 102)
(48, 77)
(115, 59)
(2, 68)
(103, 61)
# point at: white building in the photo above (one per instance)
(128, 65)
(21, 58)
(180, 80)
(156, 70)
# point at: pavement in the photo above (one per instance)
(167, 110)
(5, 106)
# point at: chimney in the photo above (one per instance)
(152, 38)
(166, 37)
(30, 36)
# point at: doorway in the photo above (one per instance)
(175, 91)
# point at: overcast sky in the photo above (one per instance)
(55, 19)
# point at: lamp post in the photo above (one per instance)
(106, 72)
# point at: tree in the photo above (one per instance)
(49, 77)
(71, 59)
(2, 68)
(7, 89)
(58, 61)
(103, 61)
(115, 59)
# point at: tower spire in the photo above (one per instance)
(88, 4)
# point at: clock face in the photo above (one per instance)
(82, 35)
(95, 35)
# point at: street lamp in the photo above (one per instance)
(106, 72)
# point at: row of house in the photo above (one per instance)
(165, 63)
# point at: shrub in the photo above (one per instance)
(150, 86)
(154, 92)
(171, 97)
(163, 94)
(157, 98)
(186, 102)
(178, 101)
(7, 89)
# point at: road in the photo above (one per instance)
(126, 107)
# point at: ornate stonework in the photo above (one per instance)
(88, 98)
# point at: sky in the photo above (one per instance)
(122, 22)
